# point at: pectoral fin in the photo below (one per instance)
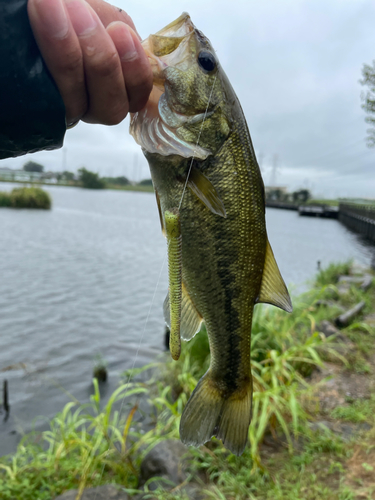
(191, 320)
(273, 289)
(172, 226)
(203, 188)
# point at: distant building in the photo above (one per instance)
(8, 174)
(49, 177)
(282, 189)
(276, 193)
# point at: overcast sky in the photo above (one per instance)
(295, 66)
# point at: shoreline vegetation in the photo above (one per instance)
(118, 184)
(26, 197)
(276, 197)
(84, 179)
(312, 433)
(147, 188)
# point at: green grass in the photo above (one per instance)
(323, 201)
(137, 187)
(330, 275)
(26, 197)
(360, 410)
(5, 200)
(87, 445)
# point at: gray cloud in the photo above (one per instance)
(295, 67)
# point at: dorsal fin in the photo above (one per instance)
(191, 320)
(273, 289)
(203, 188)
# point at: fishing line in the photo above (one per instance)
(137, 352)
(144, 330)
(162, 266)
(199, 136)
(165, 255)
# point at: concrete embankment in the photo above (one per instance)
(359, 218)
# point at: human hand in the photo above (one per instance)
(94, 55)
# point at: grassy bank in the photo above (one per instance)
(129, 187)
(137, 187)
(26, 197)
(323, 201)
(309, 388)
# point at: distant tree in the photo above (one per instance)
(368, 98)
(32, 166)
(68, 176)
(303, 195)
(90, 180)
(145, 182)
(120, 181)
(275, 194)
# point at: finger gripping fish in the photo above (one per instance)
(211, 204)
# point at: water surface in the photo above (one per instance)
(86, 278)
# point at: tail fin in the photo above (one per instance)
(208, 414)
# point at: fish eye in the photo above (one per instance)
(206, 61)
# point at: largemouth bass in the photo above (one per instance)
(211, 203)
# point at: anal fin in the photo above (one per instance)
(273, 289)
(191, 320)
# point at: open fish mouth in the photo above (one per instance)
(155, 128)
(170, 47)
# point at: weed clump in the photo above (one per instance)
(26, 197)
(331, 274)
(86, 446)
(5, 200)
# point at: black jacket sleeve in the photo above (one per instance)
(32, 113)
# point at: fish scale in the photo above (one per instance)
(227, 263)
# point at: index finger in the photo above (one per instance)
(109, 13)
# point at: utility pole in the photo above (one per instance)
(274, 170)
(64, 153)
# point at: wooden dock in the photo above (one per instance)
(359, 218)
(286, 205)
(324, 211)
(307, 210)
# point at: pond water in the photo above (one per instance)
(86, 279)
